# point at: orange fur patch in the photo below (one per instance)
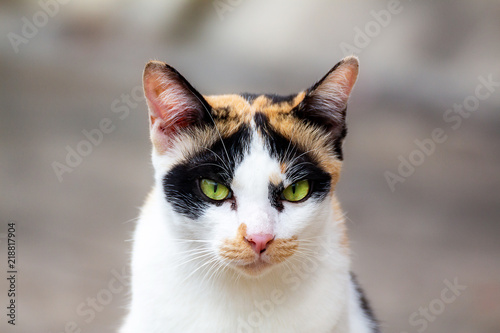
(231, 106)
(283, 167)
(275, 179)
(280, 249)
(238, 248)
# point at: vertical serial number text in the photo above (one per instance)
(11, 272)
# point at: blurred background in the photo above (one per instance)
(421, 176)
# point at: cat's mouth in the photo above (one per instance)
(255, 268)
(263, 262)
(254, 261)
(243, 258)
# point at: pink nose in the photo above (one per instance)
(259, 242)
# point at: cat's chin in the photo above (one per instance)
(255, 269)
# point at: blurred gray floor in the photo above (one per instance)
(441, 224)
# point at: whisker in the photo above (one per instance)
(197, 250)
(208, 269)
(200, 267)
(189, 240)
(135, 219)
(192, 259)
(218, 270)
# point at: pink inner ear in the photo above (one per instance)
(345, 79)
(169, 101)
(337, 87)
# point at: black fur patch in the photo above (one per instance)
(218, 162)
(300, 164)
(275, 196)
(273, 97)
(365, 305)
(330, 118)
(337, 129)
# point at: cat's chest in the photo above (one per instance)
(277, 311)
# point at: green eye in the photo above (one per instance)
(213, 190)
(297, 191)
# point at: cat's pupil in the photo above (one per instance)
(215, 187)
(294, 187)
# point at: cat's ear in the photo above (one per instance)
(325, 102)
(173, 103)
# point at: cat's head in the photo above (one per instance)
(250, 177)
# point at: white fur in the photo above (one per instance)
(180, 283)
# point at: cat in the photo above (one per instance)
(242, 231)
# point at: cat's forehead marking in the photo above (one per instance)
(271, 108)
(230, 107)
(232, 111)
(238, 109)
(296, 134)
(310, 139)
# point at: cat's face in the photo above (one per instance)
(249, 178)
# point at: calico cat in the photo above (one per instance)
(242, 231)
